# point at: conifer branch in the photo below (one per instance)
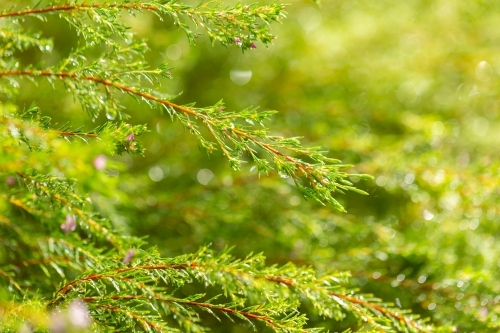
(94, 225)
(239, 25)
(323, 176)
(381, 309)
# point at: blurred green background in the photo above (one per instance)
(405, 91)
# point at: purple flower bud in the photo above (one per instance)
(128, 257)
(69, 225)
(79, 315)
(10, 181)
(100, 162)
(253, 46)
(237, 40)
(130, 137)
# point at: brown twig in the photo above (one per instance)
(65, 8)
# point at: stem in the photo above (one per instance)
(65, 8)
(68, 286)
(380, 309)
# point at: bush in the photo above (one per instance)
(80, 194)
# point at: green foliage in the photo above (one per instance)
(77, 199)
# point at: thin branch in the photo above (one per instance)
(302, 166)
(381, 309)
(68, 286)
(209, 306)
(66, 8)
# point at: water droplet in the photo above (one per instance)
(110, 116)
(483, 71)
(283, 175)
(409, 178)
(422, 278)
(407, 93)
(481, 126)
(309, 18)
(204, 176)
(156, 173)
(428, 215)
(295, 200)
(174, 52)
(473, 224)
(240, 77)
(381, 180)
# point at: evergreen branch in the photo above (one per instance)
(30, 128)
(259, 313)
(101, 231)
(223, 269)
(324, 178)
(383, 310)
(317, 290)
(237, 25)
(275, 326)
(145, 322)
(64, 8)
(70, 285)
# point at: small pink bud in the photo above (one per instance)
(128, 257)
(130, 137)
(100, 162)
(222, 108)
(79, 315)
(247, 7)
(10, 181)
(253, 46)
(219, 15)
(69, 225)
(237, 40)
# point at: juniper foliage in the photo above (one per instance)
(68, 260)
